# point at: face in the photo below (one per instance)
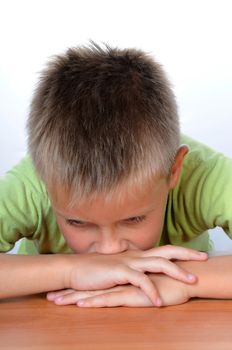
(113, 226)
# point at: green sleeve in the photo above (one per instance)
(21, 210)
(203, 197)
(25, 211)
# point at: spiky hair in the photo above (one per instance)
(101, 116)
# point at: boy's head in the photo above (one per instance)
(103, 123)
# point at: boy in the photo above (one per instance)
(110, 180)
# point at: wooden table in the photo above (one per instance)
(35, 323)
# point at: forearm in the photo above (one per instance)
(22, 275)
(214, 277)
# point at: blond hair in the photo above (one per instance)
(102, 116)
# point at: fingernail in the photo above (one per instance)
(203, 253)
(58, 300)
(81, 302)
(158, 302)
(191, 277)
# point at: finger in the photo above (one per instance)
(139, 279)
(71, 298)
(54, 295)
(162, 265)
(175, 252)
(74, 296)
(114, 299)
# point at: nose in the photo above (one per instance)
(110, 243)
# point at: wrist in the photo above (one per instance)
(213, 278)
(67, 263)
(73, 269)
(188, 289)
(171, 291)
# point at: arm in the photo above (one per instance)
(22, 275)
(214, 278)
(214, 281)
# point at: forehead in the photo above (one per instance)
(123, 202)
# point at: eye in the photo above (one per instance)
(73, 222)
(135, 219)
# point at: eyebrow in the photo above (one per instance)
(143, 213)
(64, 216)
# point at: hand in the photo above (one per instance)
(96, 272)
(214, 281)
(172, 292)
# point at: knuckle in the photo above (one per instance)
(101, 299)
(160, 260)
(167, 265)
(91, 292)
(120, 267)
(167, 247)
(94, 301)
(144, 279)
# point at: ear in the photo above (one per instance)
(177, 165)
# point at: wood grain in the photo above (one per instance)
(34, 323)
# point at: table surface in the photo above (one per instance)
(35, 323)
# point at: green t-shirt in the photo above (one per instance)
(201, 200)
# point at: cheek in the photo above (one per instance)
(150, 234)
(79, 243)
(147, 238)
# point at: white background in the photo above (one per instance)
(191, 38)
